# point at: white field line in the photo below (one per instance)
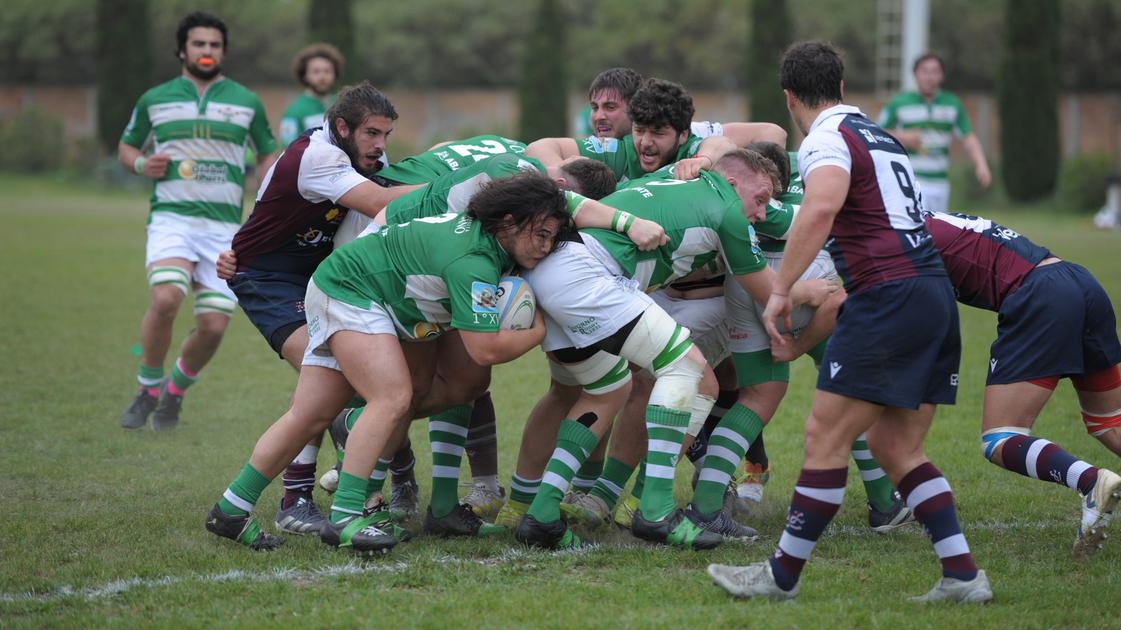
(981, 526)
(236, 575)
(510, 555)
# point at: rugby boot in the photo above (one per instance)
(240, 529)
(676, 530)
(753, 580)
(136, 416)
(555, 535)
(359, 533)
(1097, 512)
(461, 521)
(166, 415)
(975, 591)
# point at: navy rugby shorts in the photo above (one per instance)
(273, 301)
(896, 344)
(1059, 322)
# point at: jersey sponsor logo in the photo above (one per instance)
(425, 330)
(586, 327)
(332, 215)
(592, 144)
(484, 298)
(834, 367)
(202, 173)
(313, 237)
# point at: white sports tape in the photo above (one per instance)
(175, 276)
(702, 406)
(601, 373)
(994, 437)
(214, 302)
(654, 333)
(676, 387)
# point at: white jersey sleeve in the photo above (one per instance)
(823, 146)
(326, 171)
(704, 129)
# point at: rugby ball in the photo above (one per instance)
(516, 304)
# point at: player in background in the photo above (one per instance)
(1055, 321)
(317, 67)
(198, 124)
(895, 350)
(926, 121)
(657, 136)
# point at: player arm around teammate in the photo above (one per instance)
(362, 302)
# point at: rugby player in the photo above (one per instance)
(321, 177)
(360, 309)
(316, 67)
(894, 353)
(600, 318)
(661, 113)
(1055, 321)
(201, 123)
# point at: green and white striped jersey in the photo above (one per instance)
(621, 156)
(452, 191)
(425, 167)
(703, 219)
(306, 112)
(938, 121)
(781, 209)
(206, 136)
(428, 274)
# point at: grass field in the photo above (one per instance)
(102, 526)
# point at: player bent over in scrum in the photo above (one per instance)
(1055, 321)
(593, 294)
(363, 301)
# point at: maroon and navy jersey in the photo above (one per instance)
(986, 261)
(294, 221)
(878, 236)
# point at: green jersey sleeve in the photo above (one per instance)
(737, 240)
(888, 119)
(472, 282)
(611, 151)
(259, 131)
(961, 123)
(139, 125)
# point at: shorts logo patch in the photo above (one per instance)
(484, 297)
(953, 380)
(834, 367)
(992, 365)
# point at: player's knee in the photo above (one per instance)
(211, 326)
(1098, 424)
(993, 439)
(167, 283)
(213, 303)
(165, 301)
(677, 383)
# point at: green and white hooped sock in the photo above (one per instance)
(447, 432)
(574, 443)
(240, 497)
(665, 430)
(881, 494)
(731, 438)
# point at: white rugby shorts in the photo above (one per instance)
(196, 239)
(745, 316)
